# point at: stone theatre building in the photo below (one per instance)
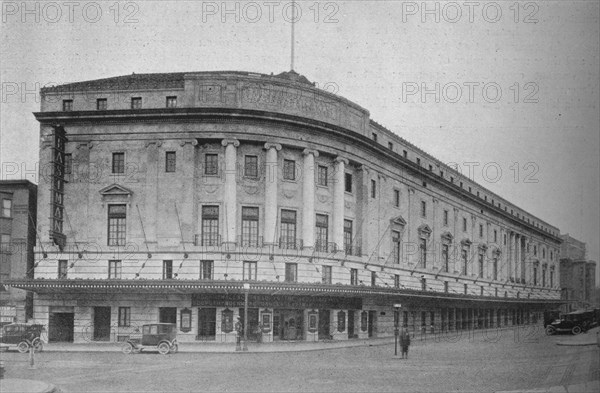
(172, 197)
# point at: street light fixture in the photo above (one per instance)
(246, 290)
(397, 307)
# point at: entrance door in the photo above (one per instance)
(252, 322)
(101, 323)
(324, 332)
(350, 323)
(61, 327)
(167, 315)
(288, 324)
(207, 324)
(371, 326)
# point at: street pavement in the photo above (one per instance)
(510, 360)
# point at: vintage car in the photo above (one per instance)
(23, 336)
(575, 322)
(162, 336)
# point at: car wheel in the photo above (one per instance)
(127, 348)
(38, 345)
(164, 348)
(576, 330)
(550, 330)
(23, 347)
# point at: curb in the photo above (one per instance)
(574, 344)
(10, 385)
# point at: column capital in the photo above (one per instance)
(310, 151)
(341, 159)
(270, 145)
(230, 141)
(193, 142)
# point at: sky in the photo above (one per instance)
(506, 91)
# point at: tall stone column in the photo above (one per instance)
(518, 254)
(511, 254)
(308, 198)
(338, 203)
(230, 190)
(271, 181)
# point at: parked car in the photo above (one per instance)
(575, 322)
(23, 336)
(162, 336)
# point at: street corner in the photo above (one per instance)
(26, 386)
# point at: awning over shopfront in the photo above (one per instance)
(379, 294)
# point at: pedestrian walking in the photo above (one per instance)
(404, 342)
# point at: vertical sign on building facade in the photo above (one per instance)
(57, 187)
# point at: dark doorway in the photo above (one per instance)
(288, 324)
(61, 327)
(207, 324)
(167, 315)
(252, 322)
(350, 323)
(101, 323)
(324, 318)
(372, 320)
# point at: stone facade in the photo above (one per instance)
(180, 188)
(577, 275)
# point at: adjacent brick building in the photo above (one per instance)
(18, 200)
(577, 275)
(168, 197)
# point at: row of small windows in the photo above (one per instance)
(136, 103)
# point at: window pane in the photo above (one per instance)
(170, 161)
(289, 170)
(211, 164)
(251, 166)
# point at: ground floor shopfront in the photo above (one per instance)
(114, 311)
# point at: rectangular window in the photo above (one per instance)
(441, 173)
(418, 161)
(206, 270)
(466, 289)
(210, 225)
(551, 278)
(117, 218)
(397, 198)
(68, 164)
(396, 281)
(114, 269)
(404, 153)
(446, 286)
(423, 209)
(124, 316)
(390, 146)
(480, 230)
(322, 176)
(373, 279)
(445, 257)
(118, 163)
(481, 291)
(348, 182)
(288, 229)
(535, 251)
(505, 239)
(464, 224)
(170, 161)
(289, 170)
(6, 208)
(251, 166)
(250, 269)
(291, 272)
(136, 102)
(67, 105)
(211, 164)
(101, 104)
(465, 259)
(348, 237)
(481, 265)
(353, 276)
(172, 102)
(62, 269)
(430, 168)
(423, 284)
(446, 218)
(423, 251)
(326, 275)
(322, 228)
(495, 267)
(495, 236)
(396, 246)
(374, 136)
(5, 244)
(167, 270)
(373, 188)
(249, 226)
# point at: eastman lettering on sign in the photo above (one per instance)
(275, 301)
(58, 187)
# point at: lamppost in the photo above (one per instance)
(397, 307)
(246, 290)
